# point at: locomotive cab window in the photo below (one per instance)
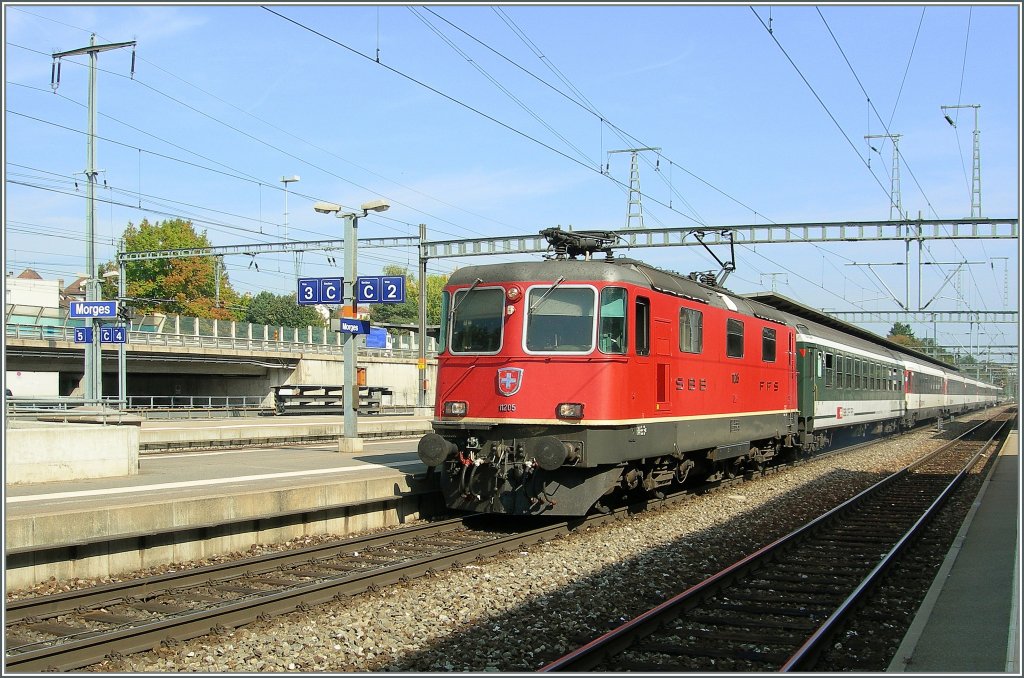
(691, 330)
(768, 345)
(560, 319)
(734, 338)
(443, 333)
(612, 332)
(476, 320)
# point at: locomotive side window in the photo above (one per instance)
(643, 326)
(768, 345)
(560, 319)
(476, 320)
(691, 330)
(734, 338)
(443, 334)
(612, 333)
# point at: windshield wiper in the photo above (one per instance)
(451, 313)
(561, 279)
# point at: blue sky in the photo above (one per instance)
(459, 132)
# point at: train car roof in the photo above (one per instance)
(799, 310)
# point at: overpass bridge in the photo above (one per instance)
(170, 355)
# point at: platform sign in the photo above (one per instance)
(314, 291)
(83, 335)
(93, 309)
(368, 289)
(350, 326)
(392, 289)
(375, 289)
(330, 290)
(114, 334)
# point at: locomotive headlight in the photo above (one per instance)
(455, 408)
(569, 410)
(513, 294)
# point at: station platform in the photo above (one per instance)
(157, 435)
(970, 619)
(191, 505)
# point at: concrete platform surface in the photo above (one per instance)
(226, 500)
(969, 621)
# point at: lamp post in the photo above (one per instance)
(286, 181)
(350, 441)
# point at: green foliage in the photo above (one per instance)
(281, 310)
(408, 312)
(187, 286)
(901, 329)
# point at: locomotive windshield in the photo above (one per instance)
(560, 319)
(476, 319)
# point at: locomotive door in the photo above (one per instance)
(662, 356)
(791, 388)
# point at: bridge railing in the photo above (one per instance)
(299, 341)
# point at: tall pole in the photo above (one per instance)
(421, 363)
(122, 356)
(351, 442)
(295, 255)
(93, 350)
(976, 158)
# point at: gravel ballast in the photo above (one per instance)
(518, 611)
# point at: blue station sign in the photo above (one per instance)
(377, 289)
(314, 291)
(114, 334)
(351, 326)
(93, 309)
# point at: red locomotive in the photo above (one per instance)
(562, 381)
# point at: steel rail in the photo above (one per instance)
(807, 654)
(617, 640)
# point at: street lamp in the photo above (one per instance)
(286, 181)
(350, 441)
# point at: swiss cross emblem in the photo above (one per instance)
(509, 380)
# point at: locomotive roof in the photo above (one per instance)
(620, 269)
(765, 305)
(799, 310)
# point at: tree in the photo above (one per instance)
(901, 329)
(407, 313)
(281, 310)
(187, 285)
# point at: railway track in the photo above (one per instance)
(776, 609)
(74, 629)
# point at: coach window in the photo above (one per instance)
(840, 366)
(830, 370)
(643, 326)
(691, 330)
(612, 333)
(734, 338)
